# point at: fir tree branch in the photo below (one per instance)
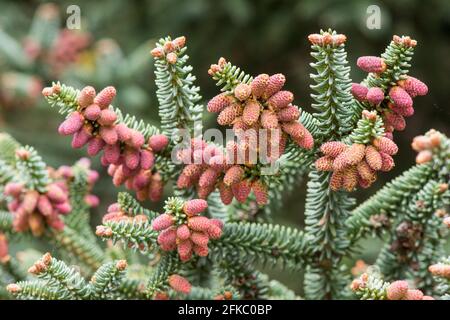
(134, 234)
(387, 200)
(177, 95)
(158, 281)
(86, 252)
(265, 243)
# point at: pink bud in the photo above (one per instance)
(4, 252)
(107, 117)
(198, 223)
(109, 135)
(208, 178)
(414, 87)
(179, 284)
(123, 132)
(395, 120)
(91, 200)
(260, 191)
(413, 294)
(375, 96)
(385, 145)
(233, 175)
(92, 112)
(371, 64)
(56, 223)
(305, 142)
(86, 96)
(259, 84)
(44, 206)
(424, 156)
(324, 163)
(373, 158)
(359, 91)
(219, 102)
(156, 188)
(194, 207)
(400, 98)
(113, 207)
(95, 145)
(241, 190)
(162, 222)
(13, 189)
(242, 91)
(333, 148)
(184, 181)
(274, 84)
(56, 194)
(147, 159)
(112, 153)
(63, 208)
(397, 290)
(295, 129)
(81, 137)
(215, 229)
(167, 239)
(72, 124)
(290, 113)
(229, 114)
(269, 120)
(105, 97)
(280, 100)
(158, 142)
(185, 249)
(387, 162)
(226, 194)
(251, 112)
(137, 139)
(132, 158)
(201, 251)
(200, 238)
(183, 232)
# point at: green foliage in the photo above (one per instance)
(57, 281)
(229, 76)
(177, 95)
(265, 243)
(332, 98)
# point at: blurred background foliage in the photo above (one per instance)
(260, 36)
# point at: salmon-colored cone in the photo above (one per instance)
(397, 290)
(195, 207)
(371, 64)
(219, 102)
(259, 84)
(105, 97)
(260, 191)
(158, 142)
(359, 91)
(274, 84)
(179, 284)
(162, 222)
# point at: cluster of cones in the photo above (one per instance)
(262, 104)
(66, 174)
(187, 231)
(425, 144)
(208, 167)
(130, 158)
(33, 210)
(397, 290)
(168, 50)
(357, 163)
(396, 100)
